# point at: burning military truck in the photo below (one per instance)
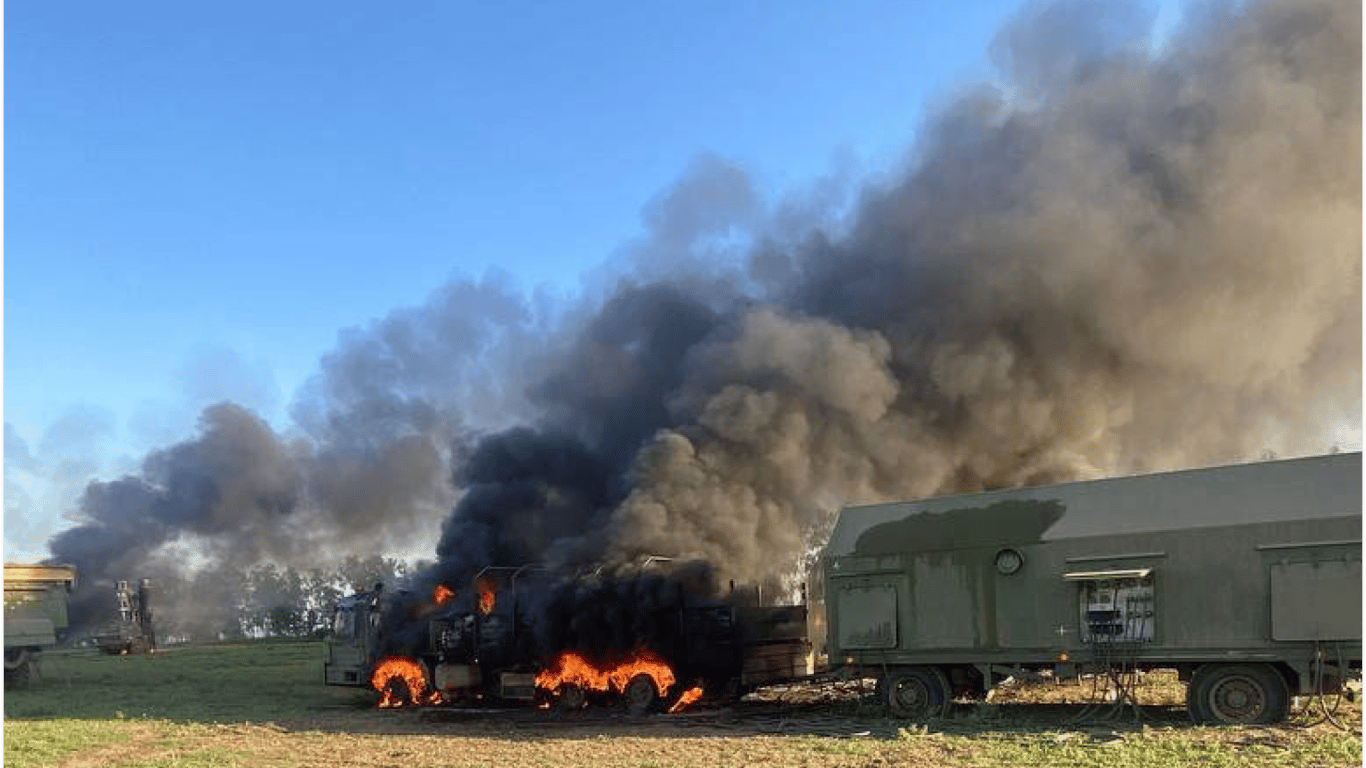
(132, 631)
(1246, 579)
(653, 640)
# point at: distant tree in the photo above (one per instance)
(360, 573)
(275, 602)
(268, 600)
(211, 607)
(321, 591)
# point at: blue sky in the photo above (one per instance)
(200, 197)
(202, 179)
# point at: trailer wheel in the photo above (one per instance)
(917, 693)
(1237, 694)
(640, 695)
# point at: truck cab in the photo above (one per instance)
(352, 642)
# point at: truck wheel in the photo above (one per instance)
(17, 677)
(1237, 694)
(640, 695)
(917, 693)
(571, 698)
(15, 657)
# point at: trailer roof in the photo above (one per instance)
(1266, 491)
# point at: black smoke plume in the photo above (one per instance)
(1116, 259)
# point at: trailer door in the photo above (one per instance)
(1316, 600)
(866, 613)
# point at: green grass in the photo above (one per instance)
(255, 682)
(1203, 747)
(39, 743)
(162, 744)
(263, 705)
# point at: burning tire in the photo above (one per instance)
(396, 693)
(401, 680)
(640, 695)
(916, 693)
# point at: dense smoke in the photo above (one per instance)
(1114, 260)
(1112, 263)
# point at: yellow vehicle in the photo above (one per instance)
(35, 615)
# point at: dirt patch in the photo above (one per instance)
(140, 738)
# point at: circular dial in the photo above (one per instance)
(1008, 561)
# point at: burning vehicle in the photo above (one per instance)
(132, 632)
(1245, 578)
(654, 640)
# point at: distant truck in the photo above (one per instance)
(1246, 579)
(132, 632)
(35, 615)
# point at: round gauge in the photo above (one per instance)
(1008, 561)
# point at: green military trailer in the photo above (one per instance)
(35, 615)
(1246, 579)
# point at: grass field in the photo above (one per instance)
(264, 704)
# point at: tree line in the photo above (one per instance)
(264, 601)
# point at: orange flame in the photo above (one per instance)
(487, 587)
(689, 696)
(571, 668)
(401, 668)
(442, 594)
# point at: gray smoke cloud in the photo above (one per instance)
(366, 468)
(1113, 260)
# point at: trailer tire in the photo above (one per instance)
(917, 693)
(1237, 694)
